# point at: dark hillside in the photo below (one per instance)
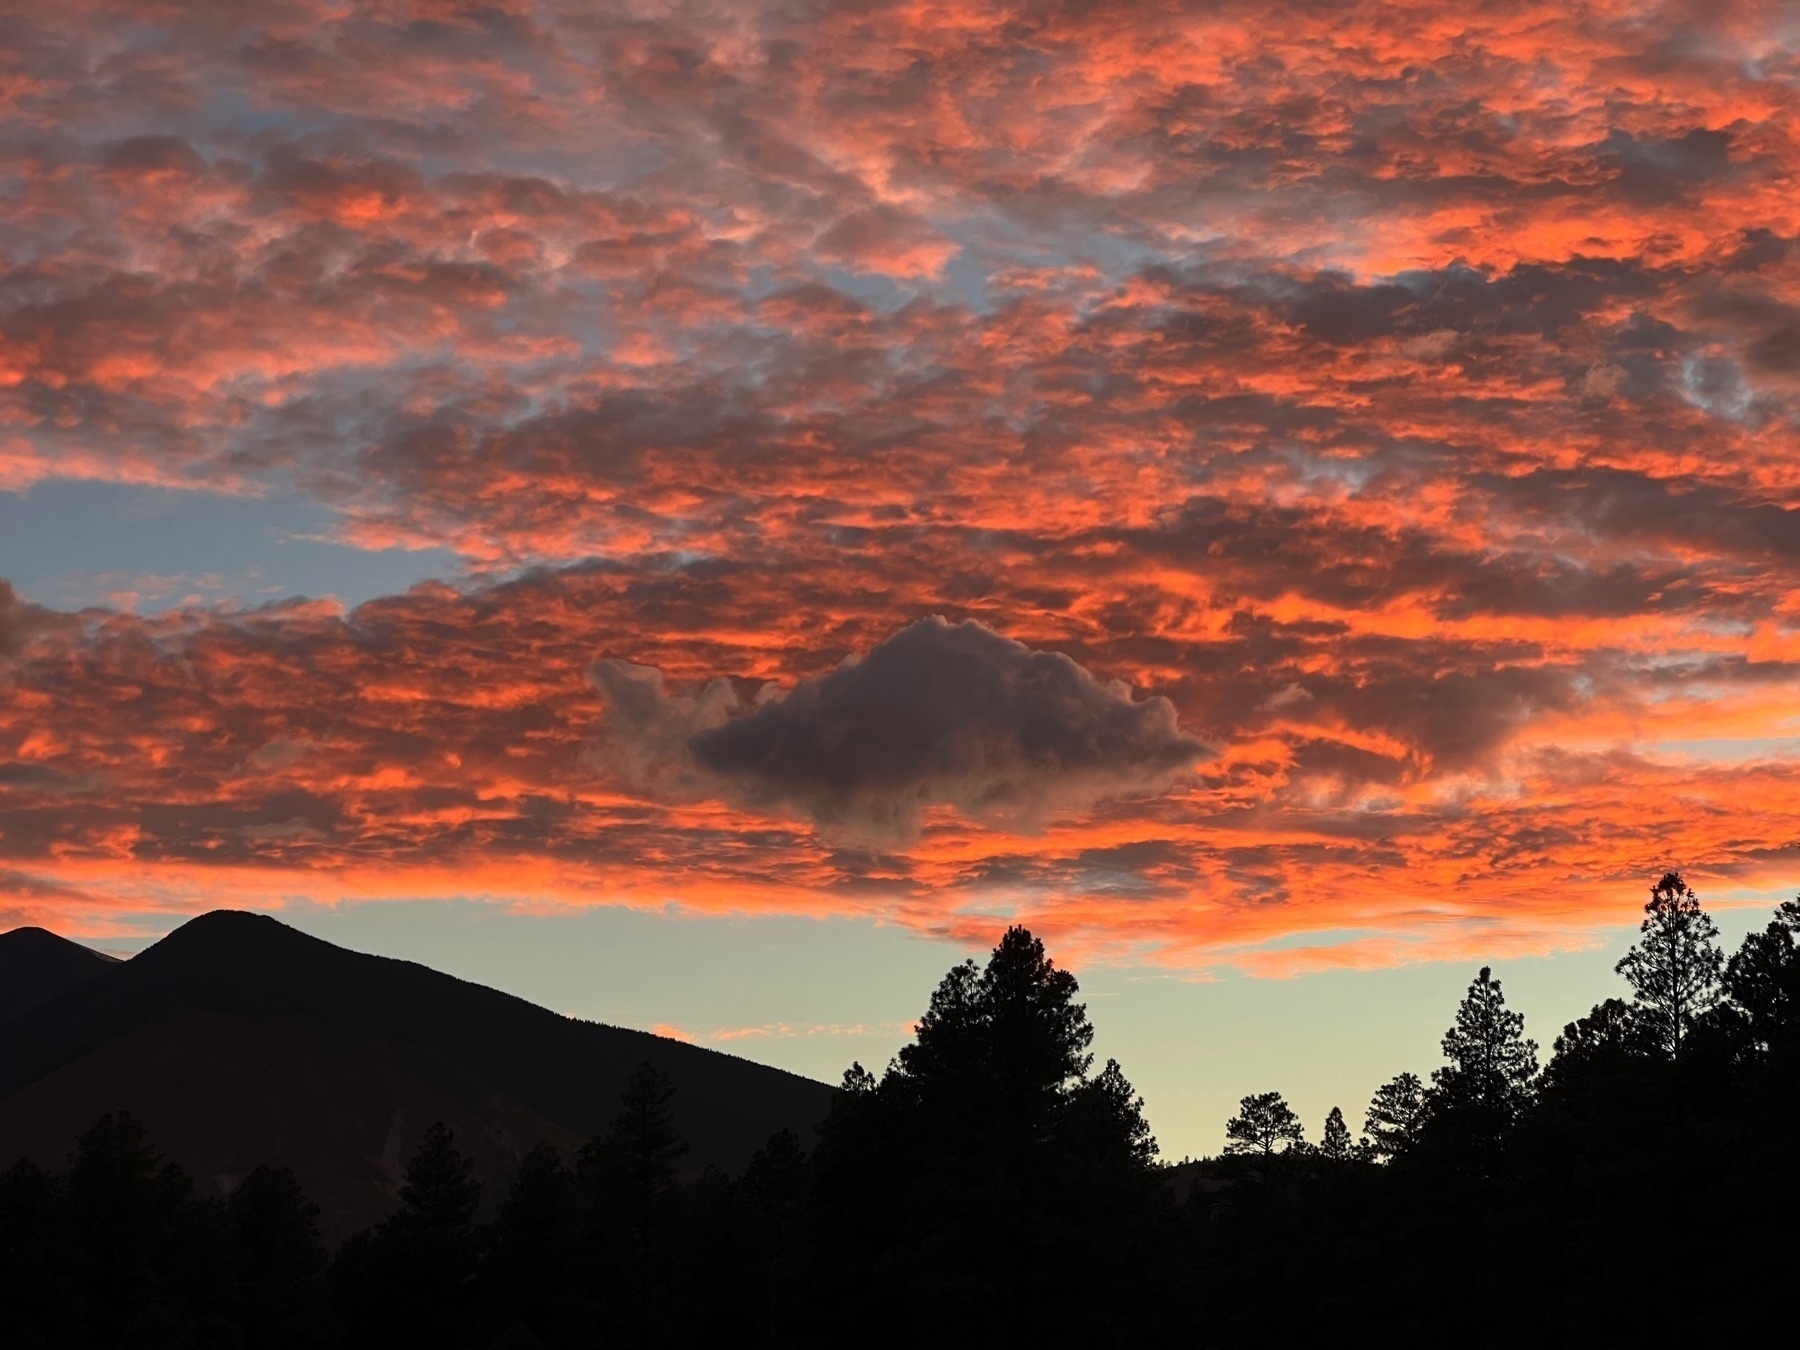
(220, 1093)
(569, 1072)
(36, 965)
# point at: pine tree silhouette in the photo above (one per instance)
(279, 1262)
(1336, 1143)
(1481, 1093)
(986, 1173)
(635, 1167)
(641, 1149)
(1763, 978)
(1263, 1122)
(39, 1302)
(1674, 970)
(1395, 1116)
(117, 1226)
(411, 1279)
(1108, 1116)
(440, 1193)
(532, 1249)
(1013, 1026)
(1606, 1043)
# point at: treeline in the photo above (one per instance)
(992, 1187)
(1641, 1185)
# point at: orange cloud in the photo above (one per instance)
(1403, 395)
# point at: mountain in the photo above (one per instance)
(237, 1033)
(36, 965)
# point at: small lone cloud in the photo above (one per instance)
(936, 715)
(1288, 696)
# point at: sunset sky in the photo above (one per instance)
(700, 514)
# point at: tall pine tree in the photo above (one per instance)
(1674, 970)
(633, 1173)
(987, 1173)
(410, 1279)
(1480, 1094)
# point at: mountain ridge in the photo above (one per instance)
(567, 1071)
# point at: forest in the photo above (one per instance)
(993, 1186)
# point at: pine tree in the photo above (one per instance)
(1395, 1117)
(1602, 1046)
(1489, 1081)
(440, 1193)
(409, 1280)
(279, 1260)
(987, 1171)
(635, 1166)
(1674, 970)
(1763, 978)
(1336, 1143)
(857, 1083)
(119, 1227)
(640, 1151)
(1110, 1118)
(40, 1305)
(531, 1246)
(1264, 1120)
(1012, 1032)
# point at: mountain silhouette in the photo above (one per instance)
(36, 964)
(245, 1040)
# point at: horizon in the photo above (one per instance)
(705, 517)
(1333, 1052)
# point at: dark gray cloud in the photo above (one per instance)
(1621, 504)
(1655, 172)
(957, 715)
(939, 714)
(1528, 298)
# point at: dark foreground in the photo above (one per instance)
(991, 1188)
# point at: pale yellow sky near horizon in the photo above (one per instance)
(811, 995)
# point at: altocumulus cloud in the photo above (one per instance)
(19, 620)
(938, 714)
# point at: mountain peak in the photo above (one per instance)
(36, 964)
(236, 925)
(43, 939)
(258, 947)
(238, 964)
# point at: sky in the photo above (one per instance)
(701, 514)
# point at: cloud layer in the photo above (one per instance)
(1406, 394)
